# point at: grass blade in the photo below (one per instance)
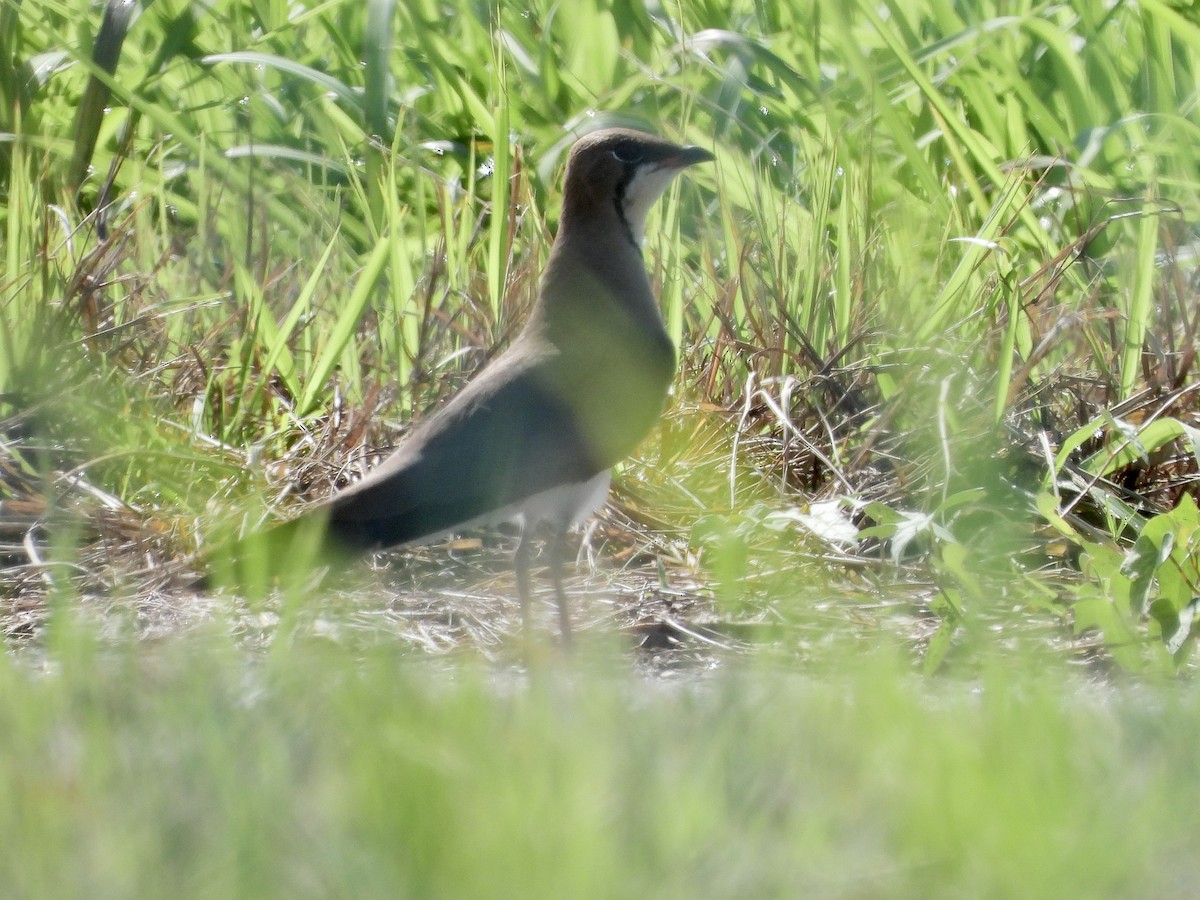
(340, 337)
(106, 53)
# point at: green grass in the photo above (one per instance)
(939, 280)
(187, 769)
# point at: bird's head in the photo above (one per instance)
(626, 171)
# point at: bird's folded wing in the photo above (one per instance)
(493, 446)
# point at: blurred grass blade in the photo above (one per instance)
(106, 53)
(377, 52)
(10, 71)
(289, 154)
(499, 225)
(347, 94)
(702, 42)
(1141, 303)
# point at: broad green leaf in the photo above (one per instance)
(1141, 565)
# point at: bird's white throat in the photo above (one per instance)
(646, 186)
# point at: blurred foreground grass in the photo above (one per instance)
(182, 769)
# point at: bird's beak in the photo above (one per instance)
(688, 156)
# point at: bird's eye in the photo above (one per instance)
(627, 153)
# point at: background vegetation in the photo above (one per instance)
(936, 406)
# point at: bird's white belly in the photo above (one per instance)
(567, 504)
(564, 506)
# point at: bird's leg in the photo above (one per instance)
(521, 564)
(558, 548)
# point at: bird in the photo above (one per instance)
(533, 437)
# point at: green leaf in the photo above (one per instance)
(1184, 621)
(1047, 507)
(1142, 563)
(1121, 641)
(939, 645)
(956, 559)
(1134, 444)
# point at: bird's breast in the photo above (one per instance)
(613, 376)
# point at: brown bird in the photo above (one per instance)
(534, 436)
